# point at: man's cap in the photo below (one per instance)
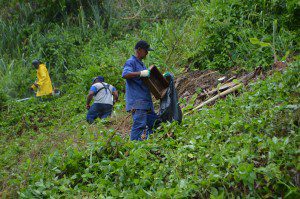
(35, 62)
(100, 78)
(144, 45)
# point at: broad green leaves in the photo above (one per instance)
(256, 41)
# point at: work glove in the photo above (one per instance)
(145, 73)
(166, 74)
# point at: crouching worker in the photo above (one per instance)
(43, 85)
(104, 96)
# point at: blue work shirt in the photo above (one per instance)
(137, 93)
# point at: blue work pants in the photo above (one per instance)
(143, 121)
(98, 110)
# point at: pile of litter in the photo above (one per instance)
(211, 85)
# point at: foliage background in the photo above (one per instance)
(72, 35)
(81, 39)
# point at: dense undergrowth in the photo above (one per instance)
(193, 34)
(246, 146)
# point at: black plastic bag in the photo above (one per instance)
(169, 109)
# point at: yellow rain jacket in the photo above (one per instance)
(43, 81)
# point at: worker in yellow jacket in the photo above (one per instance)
(43, 85)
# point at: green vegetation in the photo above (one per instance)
(245, 146)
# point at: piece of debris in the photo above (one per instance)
(221, 79)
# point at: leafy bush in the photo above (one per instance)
(224, 29)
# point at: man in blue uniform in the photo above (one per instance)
(138, 97)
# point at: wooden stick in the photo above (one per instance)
(216, 90)
(215, 97)
(245, 79)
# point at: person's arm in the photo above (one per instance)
(129, 73)
(116, 95)
(89, 99)
(132, 75)
(143, 73)
(114, 92)
(34, 86)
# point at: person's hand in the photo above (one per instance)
(87, 106)
(145, 73)
(166, 74)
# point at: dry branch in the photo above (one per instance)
(216, 90)
(215, 97)
(245, 79)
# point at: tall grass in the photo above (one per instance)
(208, 34)
(82, 21)
(96, 14)
(3, 68)
(10, 38)
(15, 28)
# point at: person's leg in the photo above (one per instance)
(151, 119)
(106, 110)
(92, 113)
(139, 124)
(45, 98)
